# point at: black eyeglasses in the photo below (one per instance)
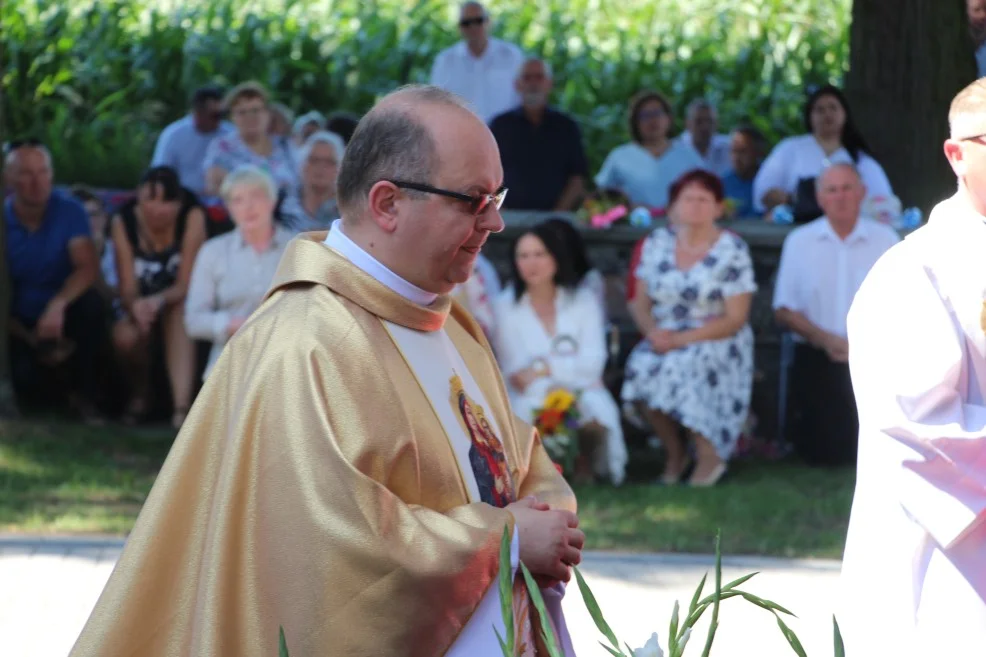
(14, 144)
(469, 22)
(477, 204)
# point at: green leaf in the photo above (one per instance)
(594, 611)
(840, 648)
(507, 590)
(547, 633)
(503, 646)
(766, 604)
(739, 580)
(615, 653)
(714, 623)
(791, 637)
(673, 630)
(282, 644)
(630, 651)
(698, 594)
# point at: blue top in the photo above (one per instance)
(740, 192)
(39, 261)
(183, 148)
(644, 178)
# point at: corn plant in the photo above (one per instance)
(98, 79)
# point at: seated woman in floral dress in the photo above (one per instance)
(694, 369)
(550, 336)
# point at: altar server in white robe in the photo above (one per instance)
(914, 571)
(550, 335)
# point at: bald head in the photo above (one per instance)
(967, 115)
(396, 140)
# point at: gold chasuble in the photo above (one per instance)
(315, 485)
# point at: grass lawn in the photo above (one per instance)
(57, 477)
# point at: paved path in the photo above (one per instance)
(48, 587)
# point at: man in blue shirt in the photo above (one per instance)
(544, 165)
(55, 316)
(182, 144)
(745, 155)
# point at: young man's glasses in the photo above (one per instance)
(469, 22)
(477, 204)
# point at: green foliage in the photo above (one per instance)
(99, 79)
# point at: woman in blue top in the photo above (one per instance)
(644, 169)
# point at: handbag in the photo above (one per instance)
(806, 206)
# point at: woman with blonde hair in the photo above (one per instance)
(234, 271)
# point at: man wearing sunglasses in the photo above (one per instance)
(352, 463)
(479, 68)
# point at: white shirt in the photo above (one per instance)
(643, 178)
(183, 148)
(487, 81)
(229, 279)
(800, 157)
(717, 157)
(914, 571)
(820, 273)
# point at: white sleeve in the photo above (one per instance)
(162, 151)
(509, 337)
(586, 369)
(874, 177)
(772, 173)
(608, 176)
(907, 359)
(786, 283)
(203, 319)
(439, 73)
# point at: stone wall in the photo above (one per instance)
(610, 250)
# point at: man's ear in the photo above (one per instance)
(382, 204)
(955, 155)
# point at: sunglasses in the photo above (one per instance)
(469, 22)
(14, 144)
(651, 114)
(477, 204)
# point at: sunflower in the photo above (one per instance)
(559, 400)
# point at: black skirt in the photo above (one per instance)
(823, 426)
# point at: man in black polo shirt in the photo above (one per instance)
(544, 165)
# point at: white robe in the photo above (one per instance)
(914, 570)
(576, 364)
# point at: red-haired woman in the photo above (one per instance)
(691, 378)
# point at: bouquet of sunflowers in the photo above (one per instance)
(558, 421)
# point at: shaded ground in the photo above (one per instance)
(59, 477)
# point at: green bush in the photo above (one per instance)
(98, 79)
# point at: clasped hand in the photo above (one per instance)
(550, 540)
(664, 341)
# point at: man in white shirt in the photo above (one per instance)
(182, 144)
(823, 263)
(479, 68)
(701, 126)
(914, 569)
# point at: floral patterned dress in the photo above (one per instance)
(705, 386)
(229, 152)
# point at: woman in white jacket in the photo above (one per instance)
(550, 335)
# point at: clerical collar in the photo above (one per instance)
(356, 255)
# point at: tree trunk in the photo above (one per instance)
(908, 59)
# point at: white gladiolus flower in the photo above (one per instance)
(651, 649)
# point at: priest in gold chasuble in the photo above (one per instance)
(349, 467)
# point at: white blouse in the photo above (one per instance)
(800, 157)
(229, 279)
(576, 353)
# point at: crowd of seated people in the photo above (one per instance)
(145, 288)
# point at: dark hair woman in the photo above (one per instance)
(156, 237)
(788, 174)
(550, 335)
